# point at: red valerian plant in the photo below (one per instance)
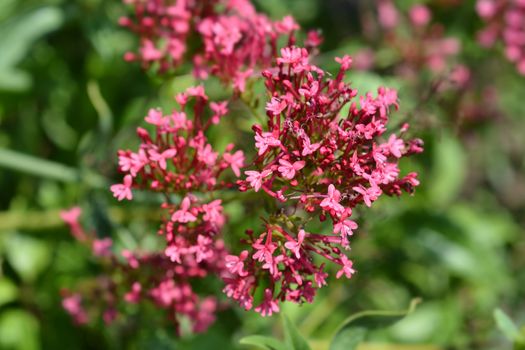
(317, 156)
(413, 40)
(233, 39)
(176, 160)
(505, 20)
(139, 276)
(321, 152)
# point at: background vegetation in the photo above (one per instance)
(68, 101)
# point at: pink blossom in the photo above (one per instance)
(345, 62)
(121, 191)
(395, 146)
(213, 212)
(255, 178)
(268, 306)
(219, 110)
(276, 106)
(132, 260)
(155, 117)
(236, 161)
(183, 215)
(347, 269)
(369, 194)
(486, 8)
(420, 15)
(161, 158)
(235, 264)
(292, 55)
(73, 305)
(71, 216)
(308, 147)
(388, 15)
(331, 202)
(133, 296)
(102, 247)
(174, 253)
(288, 169)
(296, 246)
(265, 140)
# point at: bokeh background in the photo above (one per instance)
(68, 102)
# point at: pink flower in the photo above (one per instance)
(102, 247)
(207, 155)
(183, 215)
(149, 52)
(213, 212)
(310, 91)
(369, 194)
(73, 305)
(155, 117)
(420, 15)
(255, 178)
(219, 110)
(288, 169)
(276, 106)
(173, 252)
(160, 158)
(486, 8)
(264, 251)
(236, 161)
(121, 191)
(132, 260)
(268, 306)
(308, 147)
(395, 146)
(347, 269)
(265, 140)
(331, 202)
(345, 62)
(388, 15)
(345, 228)
(197, 91)
(292, 55)
(296, 246)
(133, 296)
(71, 216)
(235, 264)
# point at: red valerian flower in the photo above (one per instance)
(316, 160)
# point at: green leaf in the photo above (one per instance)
(450, 171)
(27, 255)
(18, 37)
(351, 333)
(19, 330)
(263, 342)
(8, 291)
(507, 326)
(294, 340)
(48, 169)
(348, 339)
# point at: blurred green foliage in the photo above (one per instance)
(68, 100)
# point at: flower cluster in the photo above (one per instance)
(177, 158)
(178, 162)
(413, 39)
(235, 39)
(323, 154)
(505, 20)
(135, 277)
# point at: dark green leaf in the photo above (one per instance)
(348, 339)
(294, 340)
(263, 342)
(507, 326)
